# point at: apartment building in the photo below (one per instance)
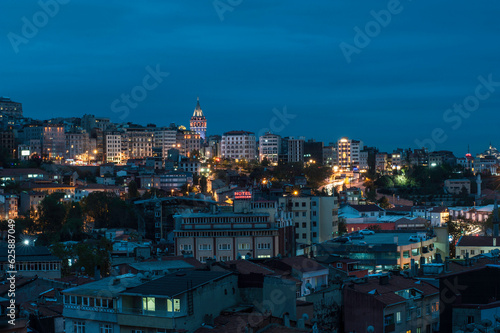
(239, 145)
(315, 218)
(348, 153)
(391, 304)
(270, 148)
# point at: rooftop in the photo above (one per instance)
(176, 283)
(477, 241)
(112, 285)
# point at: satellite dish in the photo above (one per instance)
(370, 329)
(305, 316)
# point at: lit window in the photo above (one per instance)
(176, 305)
(148, 303)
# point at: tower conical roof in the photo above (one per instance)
(197, 111)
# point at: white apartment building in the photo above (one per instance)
(315, 218)
(164, 138)
(239, 145)
(113, 148)
(269, 147)
(348, 153)
(296, 149)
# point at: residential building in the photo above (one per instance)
(348, 153)
(8, 142)
(198, 122)
(436, 215)
(113, 147)
(270, 148)
(239, 145)
(225, 236)
(468, 298)
(8, 206)
(29, 201)
(330, 155)
(456, 186)
(391, 304)
(77, 145)
(139, 142)
(315, 217)
(313, 151)
(475, 245)
(31, 261)
(187, 142)
(295, 150)
(10, 108)
(164, 138)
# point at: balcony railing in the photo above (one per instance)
(89, 308)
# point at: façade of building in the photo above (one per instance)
(198, 122)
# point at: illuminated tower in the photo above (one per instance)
(198, 121)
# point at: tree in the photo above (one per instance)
(203, 184)
(384, 202)
(132, 190)
(51, 216)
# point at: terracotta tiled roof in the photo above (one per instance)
(386, 293)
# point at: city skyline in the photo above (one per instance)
(253, 58)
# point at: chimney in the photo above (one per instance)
(495, 241)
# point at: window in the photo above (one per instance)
(225, 246)
(186, 247)
(389, 319)
(398, 317)
(419, 313)
(427, 309)
(244, 246)
(85, 301)
(406, 254)
(315, 234)
(408, 315)
(205, 247)
(176, 305)
(148, 303)
(225, 258)
(296, 204)
(428, 329)
(79, 326)
(314, 213)
(304, 214)
(470, 319)
(296, 214)
(105, 328)
(419, 330)
(303, 236)
(472, 252)
(339, 265)
(304, 225)
(303, 204)
(137, 331)
(263, 246)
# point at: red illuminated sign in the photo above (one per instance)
(243, 195)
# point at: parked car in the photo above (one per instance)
(342, 239)
(356, 235)
(367, 232)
